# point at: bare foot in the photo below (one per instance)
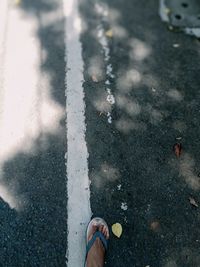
(96, 254)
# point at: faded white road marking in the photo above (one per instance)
(103, 40)
(3, 22)
(79, 212)
(3, 27)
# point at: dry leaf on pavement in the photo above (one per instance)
(177, 149)
(167, 11)
(94, 78)
(17, 2)
(109, 33)
(117, 229)
(155, 226)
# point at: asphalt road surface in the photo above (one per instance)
(93, 97)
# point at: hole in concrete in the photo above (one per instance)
(184, 5)
(198, 17)
(177, 16)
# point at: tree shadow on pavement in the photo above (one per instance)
(49, 15)
(35, 234)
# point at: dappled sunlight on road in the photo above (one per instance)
(139, 49)
(28, 111)
(179, 126)
(9, 197)
(156, 93)
(186, 255)
(113, 16)
(132, 80)
(101, 104)
(132, 108)
(128, 80)
(175, 95)
(95, 68)
(107, 173)
(187, 167)
(126, 125)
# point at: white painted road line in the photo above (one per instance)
(3, 26)
(3, 22)
(79, 212)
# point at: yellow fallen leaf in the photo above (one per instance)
(167, 11)
(117, 229)
(17, 2)
(109, 33)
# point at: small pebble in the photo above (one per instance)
(176, 45)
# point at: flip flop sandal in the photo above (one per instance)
(97, 222)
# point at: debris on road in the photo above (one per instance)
(193, 202)
(176, 45)
(124, 206)
(109, 33)
(109, 117)
(119, 187)
(110, 99)
(155, 226)
(94, 79)
(177, 148)
(170, 28)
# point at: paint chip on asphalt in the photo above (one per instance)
(124, 206)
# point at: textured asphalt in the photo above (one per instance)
(160, 226)
(131, 160)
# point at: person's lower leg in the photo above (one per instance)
(95, 256)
